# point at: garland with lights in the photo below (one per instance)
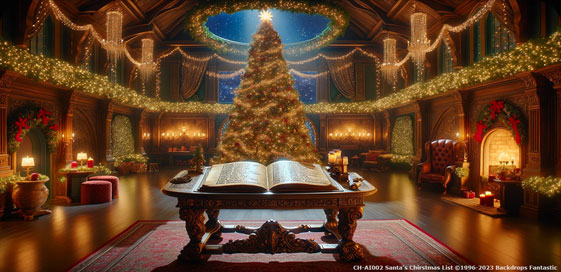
(196, 22)
(523, 58)
(21, 120)
(505, 112)
(548, 186)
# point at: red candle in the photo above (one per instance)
(74, 164)
(489, 198)
(482, 199)
(90, 163)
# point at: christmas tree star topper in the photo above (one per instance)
(265, 15)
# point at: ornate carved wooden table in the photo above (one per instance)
(342, 208)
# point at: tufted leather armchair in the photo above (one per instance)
(442, 158)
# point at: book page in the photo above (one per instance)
(237, 173)
(282, 172)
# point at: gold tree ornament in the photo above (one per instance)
(267, 122)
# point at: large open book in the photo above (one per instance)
(278, 176)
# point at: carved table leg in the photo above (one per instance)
(349, 250)
(195, 225)
(331, 223)
(213, 225)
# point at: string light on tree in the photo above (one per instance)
(267, 122)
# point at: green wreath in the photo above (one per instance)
(195, 22)
(21, 120)
(507, 113)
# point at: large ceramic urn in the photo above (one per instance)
(29, 196)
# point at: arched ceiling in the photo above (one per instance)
(370, 20)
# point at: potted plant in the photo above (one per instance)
(30, 194)
(463, 174)
(131, 163)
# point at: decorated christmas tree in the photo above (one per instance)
(268, 121)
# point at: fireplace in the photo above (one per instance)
(500, 155)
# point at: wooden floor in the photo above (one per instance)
(55, 242)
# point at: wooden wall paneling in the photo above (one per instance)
(323, 133)
(106, 109)
(174, 122)
(386, 131)
(553, 74)
(5, 169)
(138, 118)
(211, 135)
(341, 122)
(541, 134)
(420, 131)
(156, 140)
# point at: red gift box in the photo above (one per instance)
(471, 194)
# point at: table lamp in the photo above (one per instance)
(27, 162)
(82, 157)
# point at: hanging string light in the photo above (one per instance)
(148, 65)
(419, 43)
(389, 69)
(114, 41)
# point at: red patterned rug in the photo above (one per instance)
(154, 246)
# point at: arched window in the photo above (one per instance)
(476, 41)
(226, 88)
(44, 43)
(498, 38)
(445, 60)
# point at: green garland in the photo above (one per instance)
(548, 186)
(195, 22)
(31, 112)
(524, 58)
(508, 111)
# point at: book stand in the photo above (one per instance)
(342, 209)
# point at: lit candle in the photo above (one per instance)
(90, 163)
(73, 164)
(482, 199)
(489, 198)
(331, 157)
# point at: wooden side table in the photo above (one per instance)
(511, 196)
(70, 191)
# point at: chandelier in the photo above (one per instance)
(419, 44)
(389, 67)
(114, 42)
(147, 66)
